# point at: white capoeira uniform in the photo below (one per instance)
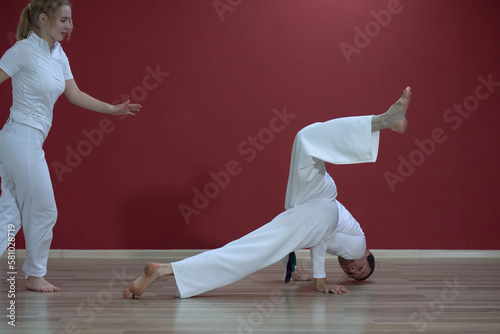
(313, 217)
(27, 199)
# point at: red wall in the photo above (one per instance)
(229, 74)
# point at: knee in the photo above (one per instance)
(51, 214)
(301, 139)
(306, 132)
(300, 136)
(47, 214)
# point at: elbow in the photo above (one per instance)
(72, 96)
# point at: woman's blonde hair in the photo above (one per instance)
(31, 13)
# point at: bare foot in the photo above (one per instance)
(39, 284)
(302, 275)
(152, 271)
(399, 122)
(395, 117)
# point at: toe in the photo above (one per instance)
(126, 293)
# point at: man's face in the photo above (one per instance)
(357, 269)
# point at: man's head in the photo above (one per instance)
(359, 269)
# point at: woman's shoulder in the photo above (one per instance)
(23, 46)
(18, 53)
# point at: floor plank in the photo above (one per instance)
(404, 296)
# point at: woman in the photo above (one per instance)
(313, 217)
(40, 73)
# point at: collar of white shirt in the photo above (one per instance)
(33, 36)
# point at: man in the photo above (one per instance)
(313, 217)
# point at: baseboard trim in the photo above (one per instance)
(434, 253)
(183, 253)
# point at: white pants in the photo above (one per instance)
(312, 212)
(27, 197)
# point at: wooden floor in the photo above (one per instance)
(404, 296)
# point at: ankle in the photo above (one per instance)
(167, 270)
(378, 123)
(164, 270)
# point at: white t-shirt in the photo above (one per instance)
(38, 79)
(348, 241)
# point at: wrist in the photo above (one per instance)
(319, 282)
(110, 108)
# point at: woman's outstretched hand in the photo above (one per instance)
(125, 108)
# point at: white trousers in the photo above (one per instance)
(311, 216)
(27, 198)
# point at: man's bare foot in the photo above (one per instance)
(400, 124)
(152, 271)
(302, 275)
(395, 117)
(40, 284)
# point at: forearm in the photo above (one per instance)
(318, 255)
(86, 101)
(81, 99)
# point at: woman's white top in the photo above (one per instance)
(38, 79)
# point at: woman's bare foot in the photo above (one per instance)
(152, 271)
(40, 284)
(395, 117)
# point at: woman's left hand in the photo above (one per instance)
(125, 108)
